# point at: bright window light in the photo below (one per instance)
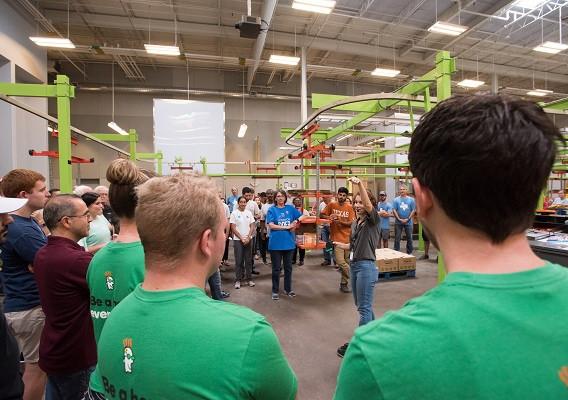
(530, 4)
(445, 28)
(398, 115)
(114, 126)
(343, 137)
(391, 73)
(242, 130)
(286, 60)
(63, 43)
(162, 50)
(539, 92)
(318, 6)
(470, 83)
(551, 47)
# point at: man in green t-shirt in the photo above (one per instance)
(497, 327)
(167, 339)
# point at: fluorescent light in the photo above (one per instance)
(445, 28)
(287, 60)
(287, 148)
(343, 137)
(319, 6)
(114, 126)
(242, 130)
(531, 4)
(398, 115)
(470, 83)
(390, 73)
(52, 42)
(162, 50)
(539, 92)
(551, 47)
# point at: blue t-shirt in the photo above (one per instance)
(24, 239)
(283, 216)
(384, 206)
(232, 202)
(404, 206)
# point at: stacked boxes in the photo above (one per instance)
(389, 260)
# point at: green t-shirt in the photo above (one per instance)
(180, 344)
(114, 272)
(474, 336)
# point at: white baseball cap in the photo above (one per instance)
(9, 204)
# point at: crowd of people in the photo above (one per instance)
(105, 289)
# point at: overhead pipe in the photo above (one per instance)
(267, 12)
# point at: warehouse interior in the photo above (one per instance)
(99, 91)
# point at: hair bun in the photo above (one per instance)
(124, 172)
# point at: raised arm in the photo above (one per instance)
(367, 205)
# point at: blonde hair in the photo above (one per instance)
(172, 214)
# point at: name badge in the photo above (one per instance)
(351, 256)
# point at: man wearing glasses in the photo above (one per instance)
(67, 348)
(22, 304)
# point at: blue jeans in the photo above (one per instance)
(69, 386)
(215, 286)
(278, 257)
(326, 237)
(364, 275)
(398, 234)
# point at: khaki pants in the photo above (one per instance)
(26, 326)
(342, 261)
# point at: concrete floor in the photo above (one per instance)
(321, 318)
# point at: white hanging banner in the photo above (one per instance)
(190, 130)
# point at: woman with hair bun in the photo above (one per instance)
(118, 268)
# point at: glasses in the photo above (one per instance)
(86, 214)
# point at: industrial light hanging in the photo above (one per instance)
(387, 72)
(445, 28)
(539, 92)
(318, 6)
(162, 50)
(113, 125)
(548, 46)
(471, 83)
(286, 60)
(61, 43)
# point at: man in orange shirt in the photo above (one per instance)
(341, 215)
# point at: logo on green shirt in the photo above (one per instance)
(128, 355)
(109, 280)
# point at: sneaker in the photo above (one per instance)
(325, 263)
(300, 263)
(251, 284)
(237, 285)
(225, 294)
(341, 351)
(255, 272)
(275, 296)
(424, 257)
(291, 293)
(344, 288)
(256, 257)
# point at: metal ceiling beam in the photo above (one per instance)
(268, 8)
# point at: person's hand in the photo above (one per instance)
(334, 217)
(293, 225)
(354, 180)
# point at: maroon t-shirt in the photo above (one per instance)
(67, 342)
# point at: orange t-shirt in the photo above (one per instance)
(340, 232)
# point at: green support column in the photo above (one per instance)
(203, 162)
(132, 139)
(64, 93)
(427, 107)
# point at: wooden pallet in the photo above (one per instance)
(397, 274)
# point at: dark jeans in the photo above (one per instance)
(70, 386)
(226, 253)
(243, 265)
(326, 237)
(214, 282)
(398, 228)
(364, 275)
(295, 254)
(262, 245)
(278, 257)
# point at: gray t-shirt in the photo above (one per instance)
(365, 237)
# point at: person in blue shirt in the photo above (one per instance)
(384, 208)
(282, 219)
(233, 199)
(403, 209)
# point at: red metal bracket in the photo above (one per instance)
(55, 154)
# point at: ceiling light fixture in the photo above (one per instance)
(162, 50)
(387, 72)
(286, 60)
(113, 125)
(318, 6)
(62, 43)
(539, 92)
(343, 137)
(551, 47)
(445, 28)
(470, 83)
(243, 128)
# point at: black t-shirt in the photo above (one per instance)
(11, 385)
(365, 237)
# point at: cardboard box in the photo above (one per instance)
(387, 260)
(407, 263)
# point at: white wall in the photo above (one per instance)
(21, 61)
